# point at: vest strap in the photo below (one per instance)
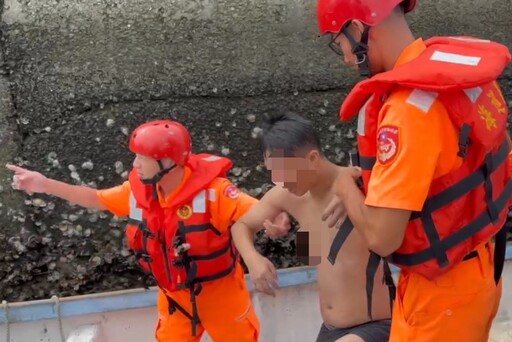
(488, 168)
(500, 248)
(341, 235)
(438, 248)
(217, 275)
(195, 228)
(194, 318)
(464, 140)
(366, 163)
(144, 253)
(458, 237)
(373, 260)
(470, 182)
(436, 245)
(388, 280)
(371, 270)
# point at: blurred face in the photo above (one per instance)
(146, 166)
(296, 174)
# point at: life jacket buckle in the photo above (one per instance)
(177, 242)
(147, 233)
(143, 256)
(463, 151)
(178, 263)
(184, 285)
(464, 140)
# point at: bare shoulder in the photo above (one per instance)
(278, 197)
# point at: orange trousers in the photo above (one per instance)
(458, 306)
(224, 307)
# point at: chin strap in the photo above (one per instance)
(360, 49)
(156, 178)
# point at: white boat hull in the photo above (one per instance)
(130, 316)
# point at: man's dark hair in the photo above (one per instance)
(290, 134)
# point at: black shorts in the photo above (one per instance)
(375, 331)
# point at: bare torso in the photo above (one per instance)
(342, 286)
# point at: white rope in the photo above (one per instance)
(7, 330)
(59, 317)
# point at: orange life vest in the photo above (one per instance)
(468, 206)
(153, 232)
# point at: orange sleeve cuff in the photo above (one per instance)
(116, 199)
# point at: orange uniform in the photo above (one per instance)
(463, 302)
(224, 305)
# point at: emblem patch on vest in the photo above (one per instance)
(232, 192)
(184, 212)
(387, 143)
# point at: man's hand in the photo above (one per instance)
(346, 173)
(263, 274)
(279, 227)
(335, 213)
(26, 180)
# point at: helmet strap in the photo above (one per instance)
(360, 49)
(158, 177)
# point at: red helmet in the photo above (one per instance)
(162, 139)
(332, 15)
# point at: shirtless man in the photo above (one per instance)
(292, 153)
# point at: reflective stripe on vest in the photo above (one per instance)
(440, 56)
(469, 39)
(420, 99)
(198, 204)
(135, 213)
(211, 158)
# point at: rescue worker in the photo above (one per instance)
(433, 188)
(180, 207)
(305, 181)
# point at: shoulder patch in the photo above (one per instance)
(387, 143)
(231, 191)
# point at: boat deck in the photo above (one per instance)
(130, 315)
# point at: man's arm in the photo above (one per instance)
(80, 195)
(235, 210)
(383, 228)
(261, 270)
(35, 182)
(115, 200)
(245, 228)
